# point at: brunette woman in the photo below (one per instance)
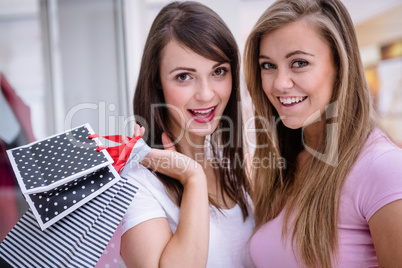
(194, 211)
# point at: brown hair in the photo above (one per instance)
(203, 31)
(315, 197)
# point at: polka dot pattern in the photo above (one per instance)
(54, 159)
(55, 203)
(111, 255)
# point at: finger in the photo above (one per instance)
(167, 143)
(158, 160)
(172, 164)
(142, 131)
(167, 162)
(137, 130)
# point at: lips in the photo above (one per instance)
(203, 115)
(288, 101)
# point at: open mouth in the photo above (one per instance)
(203, 115)
(288, 101)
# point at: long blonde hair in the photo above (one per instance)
(314, 199)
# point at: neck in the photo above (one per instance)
(313, 133)
(193, 146)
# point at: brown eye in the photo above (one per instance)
(182, 77)
(220, 71)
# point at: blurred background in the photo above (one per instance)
(64, 63)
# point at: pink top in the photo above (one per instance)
(374, 181)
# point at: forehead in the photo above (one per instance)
(174, 49)
(176, 54)
(293, 36)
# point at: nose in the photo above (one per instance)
(205, 91)
(283, 80)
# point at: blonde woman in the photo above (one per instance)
(336, 201)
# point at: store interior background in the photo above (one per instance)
(73, 62)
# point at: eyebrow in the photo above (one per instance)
(194, 70)
(298, 52)
(182, 69)
(288, 55)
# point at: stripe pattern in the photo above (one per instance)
(75, 241)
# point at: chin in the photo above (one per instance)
(202, 130)
(292, 124)
(201, 133)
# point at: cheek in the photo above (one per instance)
(267, 87)
(332, 85)
(168, 91)
(223, 89)
(326, 89)
(227, 91)
(174, 96)
(326, 85)
(176, 114)
(171, 98)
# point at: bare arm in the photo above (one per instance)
(386, 231)
(151, 243)
(188, 247)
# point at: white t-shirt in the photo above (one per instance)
(229, 234)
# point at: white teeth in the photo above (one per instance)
(203, 111)
(291, 100)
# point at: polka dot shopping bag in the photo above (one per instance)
(76, 200)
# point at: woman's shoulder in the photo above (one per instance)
(376, 179)
(379, 164)
(379, 150)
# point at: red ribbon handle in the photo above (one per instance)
(119, 153)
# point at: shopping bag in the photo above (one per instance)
(61, 173)
(77, 240)
(93, 198)
(111, 255)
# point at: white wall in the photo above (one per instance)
(90, 64)
(21, 58)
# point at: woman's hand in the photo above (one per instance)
(169, 162)
(138, 131)
(173, 164)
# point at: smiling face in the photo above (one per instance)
(297, 72)
(196, 89)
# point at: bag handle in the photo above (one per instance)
(119, 153)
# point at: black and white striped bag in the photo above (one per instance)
(73, 215)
